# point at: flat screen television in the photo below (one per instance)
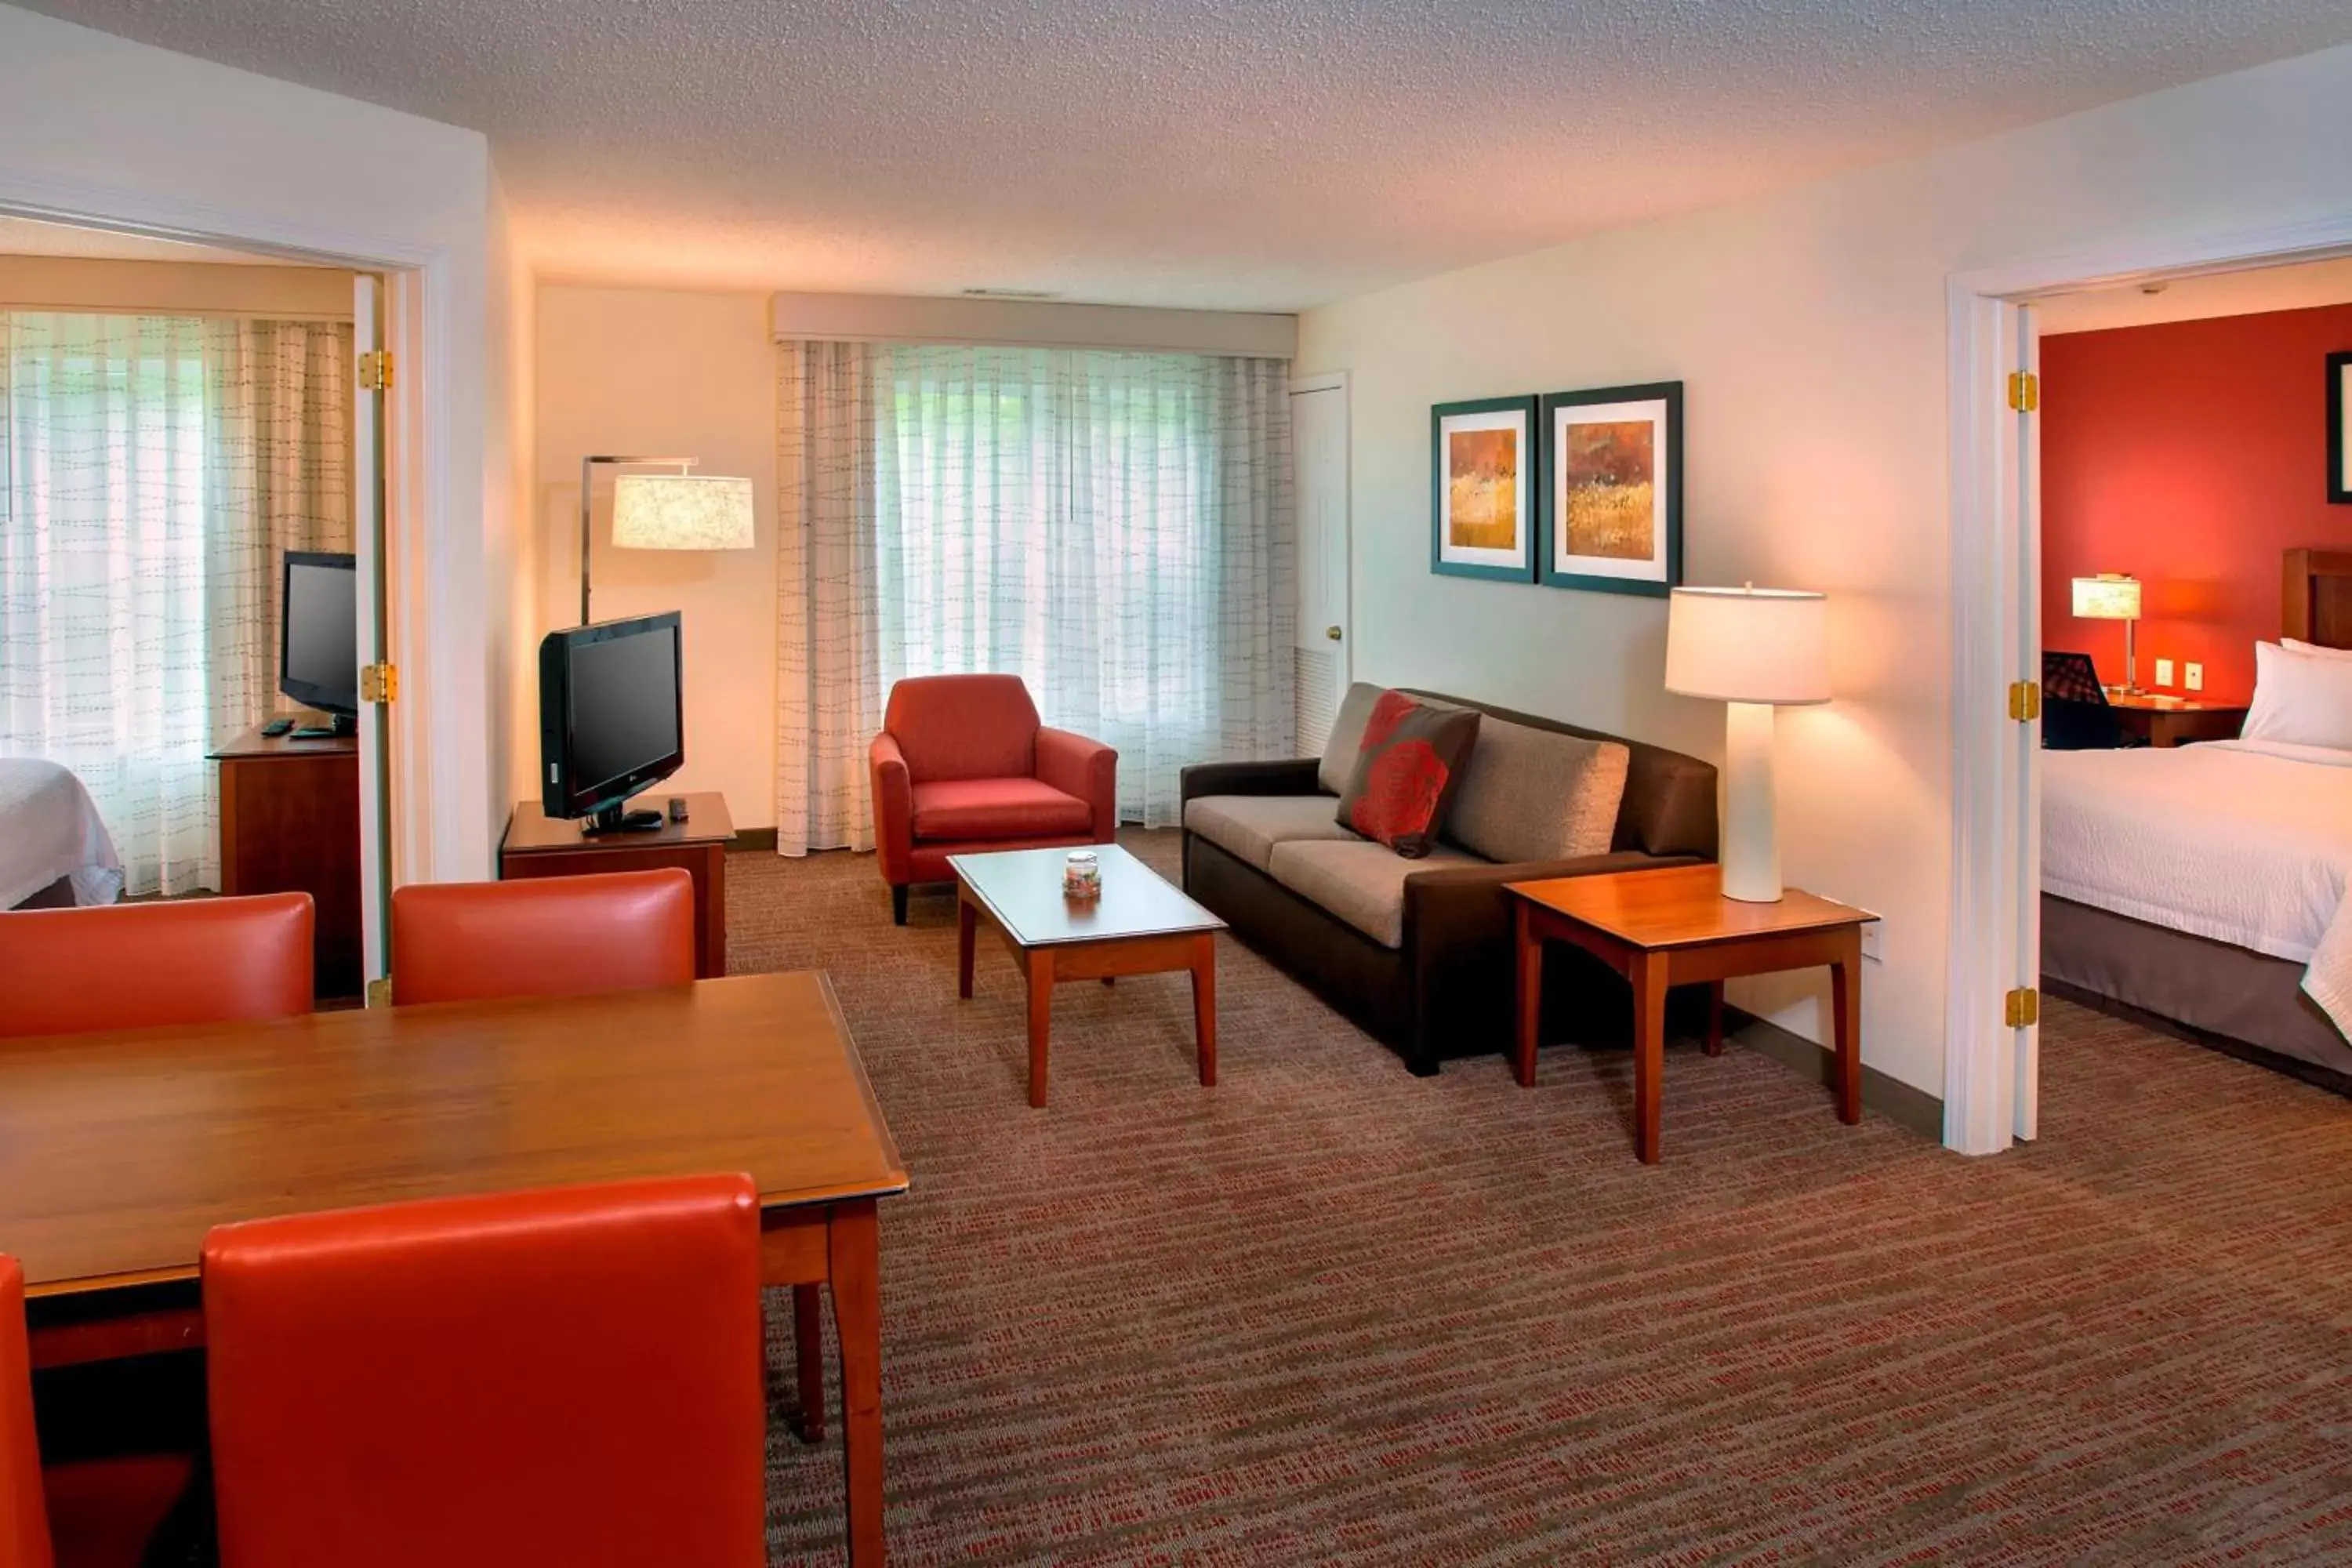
(611, 718)
(318, 634)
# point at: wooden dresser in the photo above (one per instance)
(289, 822)
(538, 845)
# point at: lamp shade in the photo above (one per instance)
(2107, 597)
(681, 512)
(1749, 645)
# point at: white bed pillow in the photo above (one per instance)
(2296, 645)
(2301, 699)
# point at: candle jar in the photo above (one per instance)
(1082, 875)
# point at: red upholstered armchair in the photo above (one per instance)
(962, 764)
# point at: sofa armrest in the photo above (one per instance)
(894, 808)
(1294, 775)
(1087, 769)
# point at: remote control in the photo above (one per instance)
(276, 727)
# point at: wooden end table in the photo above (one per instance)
(538, 845)
(1141, 925)
(1660, 929)
(2175, 720)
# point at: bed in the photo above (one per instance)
(54, 847)
(2204, 887)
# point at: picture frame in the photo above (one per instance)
(1612, 516)
(2340, 428)
(1484, 466)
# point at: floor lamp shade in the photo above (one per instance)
(681, 512)
(1754, 650)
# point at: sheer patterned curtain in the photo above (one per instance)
(148, 471)
(1114, 528)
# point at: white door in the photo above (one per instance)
(2026, 1108)
(368, 547)
(1319, 435)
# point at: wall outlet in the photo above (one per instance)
(2164, 672)
(1874, 939)
(2195, 677)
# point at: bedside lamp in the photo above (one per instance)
(666, 512)
(1753, 649)
(2112, 596)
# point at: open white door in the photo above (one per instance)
(2026, 1108)
(378, 686)
(1319, 438)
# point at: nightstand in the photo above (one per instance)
(2176, 721)
(1660, 929)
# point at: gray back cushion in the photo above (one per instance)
(1347, 737)
(1537, 795)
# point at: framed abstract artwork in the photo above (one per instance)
(1482, 488)
(1612, 492)
(2340, 428)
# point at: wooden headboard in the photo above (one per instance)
(2316, 603)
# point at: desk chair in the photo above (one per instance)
(135, 966)
(543, 936)
(571, 1375)
(2076, 716)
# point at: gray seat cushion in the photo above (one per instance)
(1537, 795)
(1248, 827)
(1347, 737)
(1359, 881)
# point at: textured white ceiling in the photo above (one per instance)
(1239, 153)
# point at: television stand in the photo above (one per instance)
(537, 845)
(619, 818)
(338, 726)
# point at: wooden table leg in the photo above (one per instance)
(1530, 988)
(854, 1261)
(808, 1346)
(1204, 1006)
(1648, 979)
(1715, 1018)
(967, 927)
(1040, 962)
(1845, 983)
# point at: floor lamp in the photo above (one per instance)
(1755, 651)
(683, 510)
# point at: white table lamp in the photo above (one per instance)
(2112, 596)
(1753, 649)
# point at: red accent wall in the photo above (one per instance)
(2189, 454)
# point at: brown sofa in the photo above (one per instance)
(1421, 957)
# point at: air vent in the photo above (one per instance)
(1011, 294)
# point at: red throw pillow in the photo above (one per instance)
(1407, 768)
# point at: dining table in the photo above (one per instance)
(119, 1150)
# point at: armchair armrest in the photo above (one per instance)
(1087, 769)
(894, 808)
(1293, 776)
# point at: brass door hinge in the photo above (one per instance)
(379, 683)
(379, 992)
(375, 371)
(2024, 391)
(2026, 701)
(2021, 1008)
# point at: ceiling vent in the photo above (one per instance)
(1009, 294)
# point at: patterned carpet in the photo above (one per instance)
(1327, 1312)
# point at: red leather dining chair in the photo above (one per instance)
(963, 765)
(571, 1375)
(543, 936)
(131, 966)
(98, 1513)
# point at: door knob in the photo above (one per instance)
(1332, 632)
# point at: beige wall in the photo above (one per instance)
(624, 370)
(188, 288)
(1810, 330)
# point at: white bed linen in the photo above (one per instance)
(2247, 842)
(49, 828)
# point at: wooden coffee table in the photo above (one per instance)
(1675, 927)
(1141, 925)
